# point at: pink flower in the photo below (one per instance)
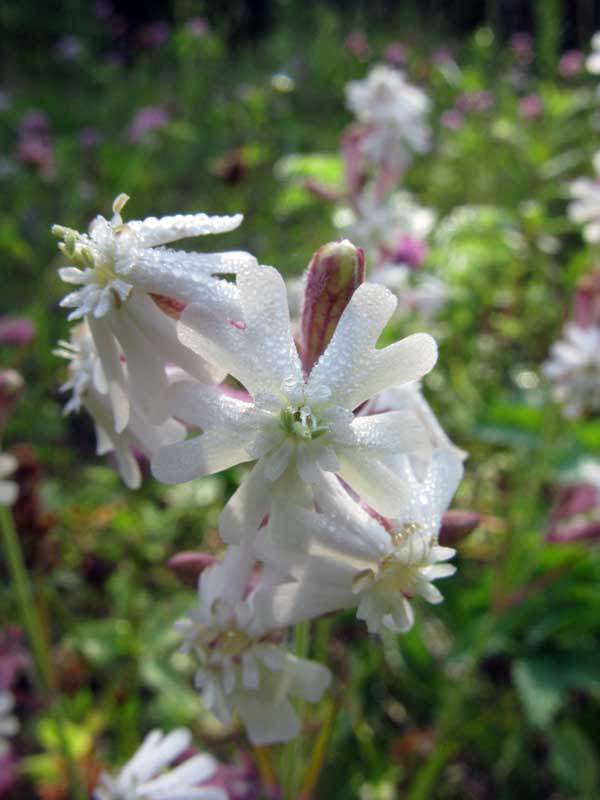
(154, 34)
(576, 515)
(571, 63)
(357, 45)
(396, 53)
(34, 147)
(521, 46)
(16, 330)
(452, 119)
(531, 106)
(197, 27)
(475, 101)
(146, 121)
(406, 250)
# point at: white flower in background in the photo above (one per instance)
(416, 291)
(376, 222)
(88, 386)
(8, 489)
(306, 424)
(242, 667)
(144, 776)
(9, 725)
(395, 113)
(118, 267)
(345, 557)
(585, 206)
(593, 60)
(574, 370)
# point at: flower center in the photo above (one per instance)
(232, 642)
(301, 422)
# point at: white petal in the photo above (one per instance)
(373, 481)
(203, 455)
(152, 231)
(113, 370)
(351, 366)
(247, 507)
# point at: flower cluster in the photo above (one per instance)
(391, 127)
(351, 472)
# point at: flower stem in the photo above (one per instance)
(37, 640)
(317, 758)
(293, 751)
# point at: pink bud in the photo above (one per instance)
(189, 565)
(16, 330)
(576, 515)
(457, 525)
(586, 304)
(337, 269)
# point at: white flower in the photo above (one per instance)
(585, 206)
(409, 397)
(415, 290)
(344, 556)
(306, 424)
(144, 776)
(395, 113)
(9, 725)
(119, 266)
(88, 386)
(8, 489)
(377, 222)
(574, 370)
(593, 60)
(242, 668)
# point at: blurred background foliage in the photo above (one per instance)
(198, 107)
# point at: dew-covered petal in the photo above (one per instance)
(247, 507)
(203, 455)
(152, 232)
(113, 370)
(179, 274)
(373, 481)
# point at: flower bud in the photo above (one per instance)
(189, 564)
(456, 526)
(337, 269)
(575, 516)
(16, 330)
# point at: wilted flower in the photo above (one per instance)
(574, 370)
(289, 420)
(145, 777)
(242, 667)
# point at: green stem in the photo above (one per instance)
(294, 750)
(37, 640)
